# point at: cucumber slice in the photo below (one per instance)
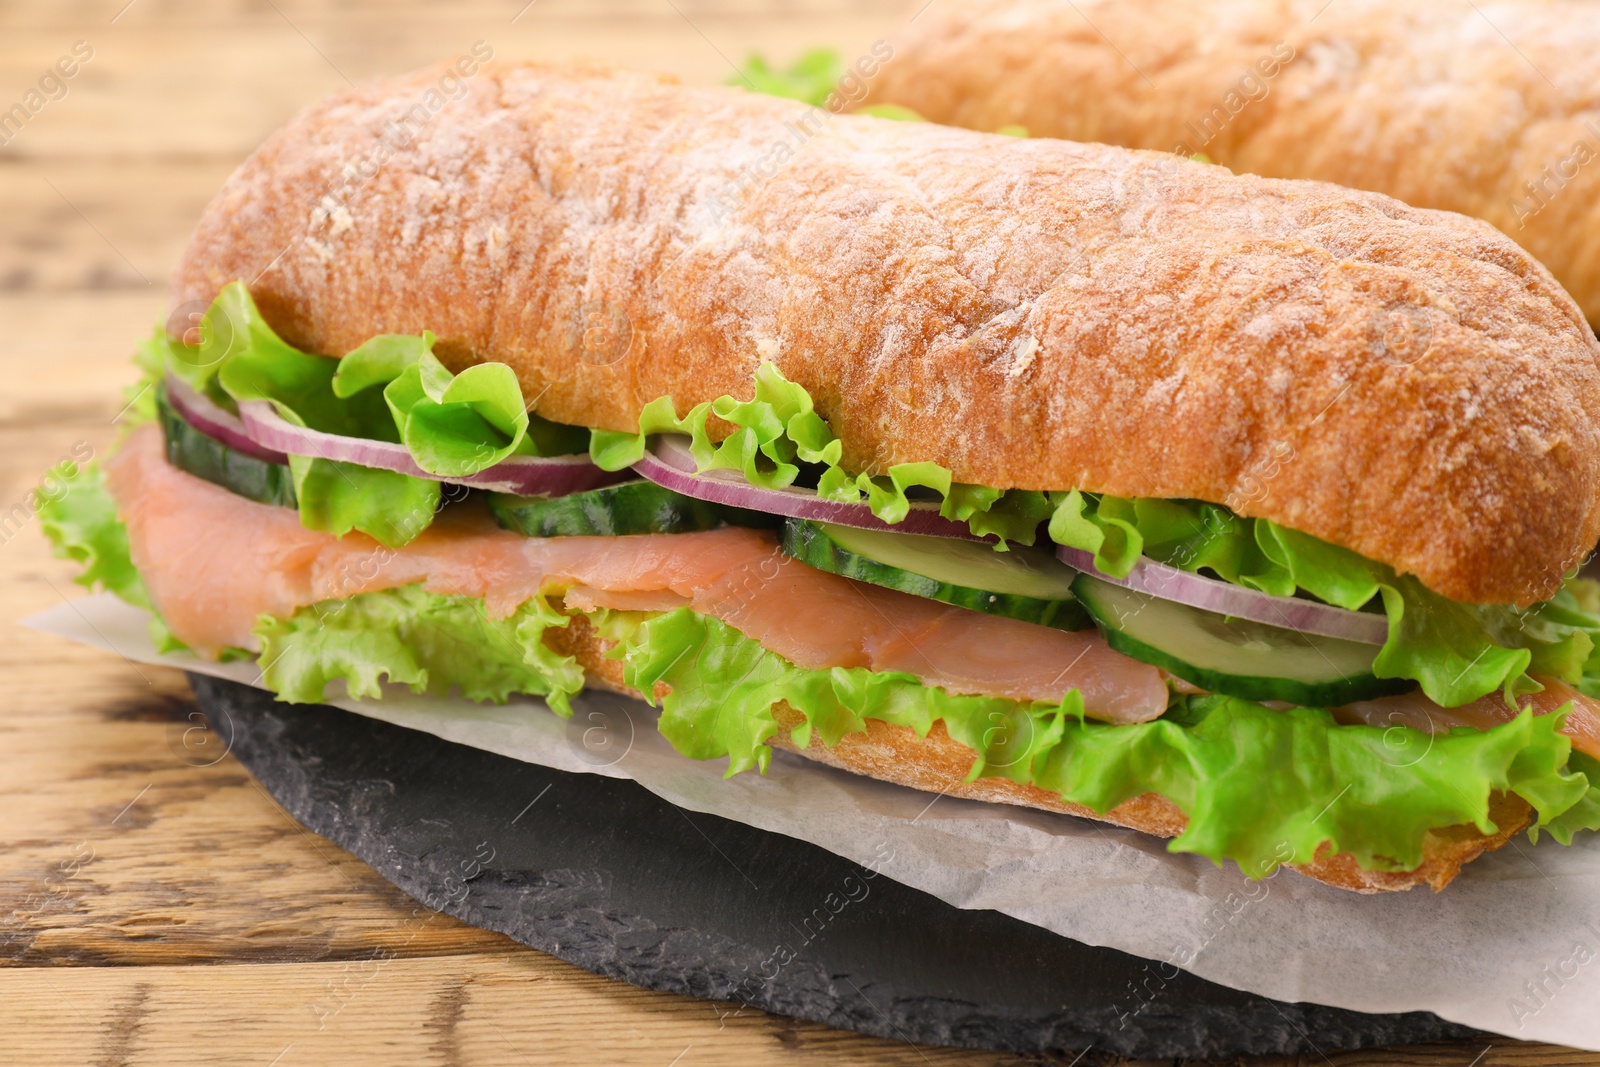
(205, 457)
(635, 507)
(1023, 583)
(1235, 657)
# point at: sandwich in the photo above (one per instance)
(1483, 109)
(1239, 511)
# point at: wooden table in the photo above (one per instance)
(159, 912)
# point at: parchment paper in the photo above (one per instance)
(1512, 946)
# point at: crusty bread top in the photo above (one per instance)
(1471, 107)
(1029, 313)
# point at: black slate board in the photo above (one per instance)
(606, 875)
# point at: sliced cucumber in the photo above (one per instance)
(205, 457)
(1235, 657)
(636, 507)
(1023, 583)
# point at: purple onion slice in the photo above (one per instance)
(1212, 594)
(523, 475)
(669, 464)
(201, 412)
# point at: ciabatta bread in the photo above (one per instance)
(1029, 313)
(1491, 109)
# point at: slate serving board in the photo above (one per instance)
(606, 875)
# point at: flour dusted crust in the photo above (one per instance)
(1443, 104)
(939, 764)
(1029, 313)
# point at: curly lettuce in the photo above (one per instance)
(724, 686)
(1457, 652)
(779, 428)
(1260, 787)
(429, 642)
(809, 79)
(815, 77)
(454, 425)
(80, 521)
(392, 389)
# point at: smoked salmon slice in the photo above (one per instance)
(1418, 712)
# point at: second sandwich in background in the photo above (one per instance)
(1490, 110)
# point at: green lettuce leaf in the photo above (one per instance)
(1456, 652)
(428, 642)
(1585, 814)
(392, 388)
(340, 497)
(1560, 634)
(139, 398)
(1260, 787)
(772, 430)
(1263, 787)
(241, 358)
(80, 520)
(814, 77)
(810, 79)
(1015, 514)
(231, 324)
(724, 686)
(779, 428)
(900, 113)
(454, 425)
(1444, 646)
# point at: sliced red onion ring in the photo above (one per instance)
(1212, 594)
(204, 415)
(669, 463)
(523, 475)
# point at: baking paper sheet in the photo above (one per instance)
(1512, 946)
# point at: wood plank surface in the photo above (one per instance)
(156, 906)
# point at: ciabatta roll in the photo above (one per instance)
(1486, 109)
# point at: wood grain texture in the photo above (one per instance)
(157, 907)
